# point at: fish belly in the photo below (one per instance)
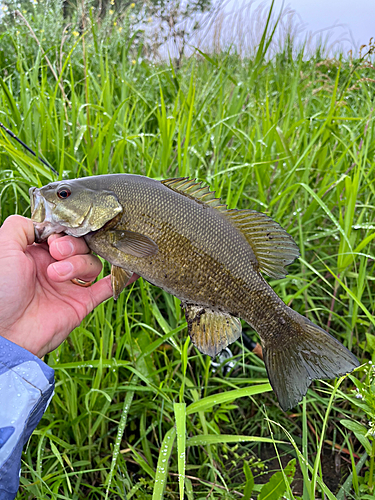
(187, 271)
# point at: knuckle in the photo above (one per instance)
(15, 219)
(79, 244)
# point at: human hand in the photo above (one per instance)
(39, 305)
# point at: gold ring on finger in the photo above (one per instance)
(80, 282)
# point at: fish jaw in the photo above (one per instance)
(42, 217)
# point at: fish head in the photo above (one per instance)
(75, 207)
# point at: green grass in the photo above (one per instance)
(138, 412)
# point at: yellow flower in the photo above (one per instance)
(132, 5)
(75, 33)
(112, 2)
(120, 29)
(111, 12)
(134, 61)
(115, 24)
(98, 76)
(18, 33)
(149, 20)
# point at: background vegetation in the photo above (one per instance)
(138, 412)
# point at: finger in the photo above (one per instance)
(84, 267)
(17, 231)
(66, 246)
(100, 291)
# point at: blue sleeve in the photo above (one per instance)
(26, 388)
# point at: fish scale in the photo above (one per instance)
(182, 244)
(178, 236)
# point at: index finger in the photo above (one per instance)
(18, 231)
(62, 247)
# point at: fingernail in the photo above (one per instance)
(63, 268)
(65, 248)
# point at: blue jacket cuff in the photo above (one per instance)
(26, 385)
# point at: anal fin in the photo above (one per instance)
(211, 331)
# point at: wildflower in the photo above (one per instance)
(75, 33)
(149, 20)
(120, 29)
(371, 430)
(115, 24)
(18, 33)
(134, 61)
(111, 12)
(112, 2)
(132, 5)
(99, 76)
(358, 395)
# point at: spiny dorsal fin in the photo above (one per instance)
(273, 247)
(192, 189)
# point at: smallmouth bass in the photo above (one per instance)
(178, 236)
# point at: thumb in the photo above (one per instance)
(100, 291)
(17, 232)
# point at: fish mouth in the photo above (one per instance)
(42, 216)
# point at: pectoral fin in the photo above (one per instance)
(132, 243)
(211, 331)
(120, 278)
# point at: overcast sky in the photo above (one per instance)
(358, 16)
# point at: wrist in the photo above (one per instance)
(22, 342)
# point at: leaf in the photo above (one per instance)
(207, 403)
(276, 487)
(249, 481)
(163, 462)
(226, 438)
(360, 432)
(354, 426)
(120, 431)
(370, 339)
(180, 418)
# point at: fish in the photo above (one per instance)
(177, 235)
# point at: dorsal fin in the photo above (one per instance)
(273, 247)
(192, 189)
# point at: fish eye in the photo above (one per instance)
(64, 193)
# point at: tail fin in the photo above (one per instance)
(300, 353)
